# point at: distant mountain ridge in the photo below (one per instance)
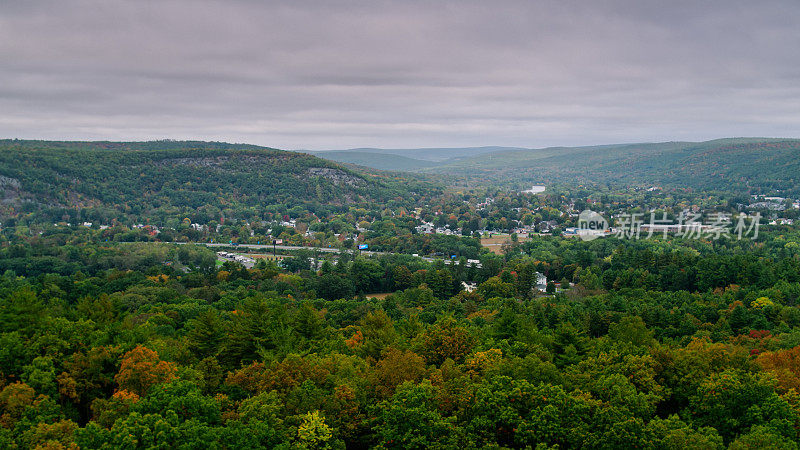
(745, 165)
(424, 154)
(741, 164)
(409, 159)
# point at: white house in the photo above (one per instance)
(541, 281)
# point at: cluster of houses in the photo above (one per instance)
(430, 228)
(543, 227)
(772, 203)
(470, 262)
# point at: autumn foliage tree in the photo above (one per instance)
(141, 368)
(446, 339)
(13, 400)
(395, 367)
(785, 365)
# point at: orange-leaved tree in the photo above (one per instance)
(141, 368)
(785, 365)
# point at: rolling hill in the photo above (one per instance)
(756, 165)
(406, 159)
(168, 179)
(435, 154)
(744, 165)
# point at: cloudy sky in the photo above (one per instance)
(337, 74)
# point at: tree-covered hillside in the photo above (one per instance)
(159, 180)
(759, 166)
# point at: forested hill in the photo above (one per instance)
(754, 165)
(164, 180)
(743, 165)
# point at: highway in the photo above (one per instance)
(286, 247)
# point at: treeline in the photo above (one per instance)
(669, 265)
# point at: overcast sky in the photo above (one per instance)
(339, 74)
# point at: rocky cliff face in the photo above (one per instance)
(222, 161)
(336, 176)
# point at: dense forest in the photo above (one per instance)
(659, 344)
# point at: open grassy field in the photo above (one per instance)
(495, 243)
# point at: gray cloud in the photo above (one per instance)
(333, 74)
